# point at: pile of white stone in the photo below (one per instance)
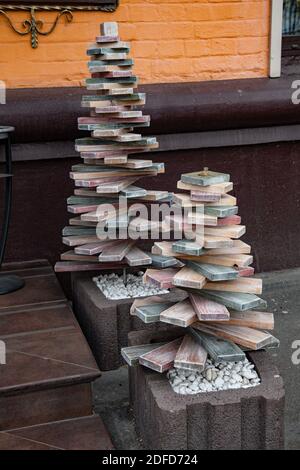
(216, 376)
(113, 287)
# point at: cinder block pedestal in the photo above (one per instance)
(250, 418)
(106, 323)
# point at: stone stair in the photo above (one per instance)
(46, 383)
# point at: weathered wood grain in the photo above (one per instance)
(244, 284)
(236, 301)
(186, 277)
(205, 178)
(116, 252)
(213, 272)
(161, 359)
(220, 188)
(136, 257)
(217, 348)
(180, 314)
(247, 337)
(151, 313)
(229, 231)
(190, 355)
(162, 278)
(238, 260)
(221, 211)
(252, 319)
(132, 354)
(208, 310)
(188, 246)
(238, 247)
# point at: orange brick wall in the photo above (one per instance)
(172, 41)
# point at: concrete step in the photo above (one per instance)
(49, 367)
(84, 433)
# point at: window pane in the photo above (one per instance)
(291, 17)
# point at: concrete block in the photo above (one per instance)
(106, 323)
(241, 419)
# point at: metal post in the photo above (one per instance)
(8, 283)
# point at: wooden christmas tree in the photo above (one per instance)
(108, 170)
(221, 315)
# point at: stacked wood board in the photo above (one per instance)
(223, 315)
(109, 171)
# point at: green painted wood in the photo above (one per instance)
(99, 142)
(201, 179)
(132, 97)
(159, 261)
(214, 272)
(131, 354)
(217, 348)
(83, 201)
(121, 221)
(151, 313)
(133, 192)
(107, 50)
(73, 230)
(237, 301)
(187, 247)
(95, 81)
(221, 211)
(111, 125)
(120, 62)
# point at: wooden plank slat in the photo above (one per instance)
(94, 248)
(229, 231)
(198, 196)
(190, 355)
(236, 301)
(213, 272)
(136, 257)
(239, 260)
(161, 359)
(72, 256)
(205, 178)
(220, 188)
(252, 319)
(162, 278)
(80, 240)
(132, 354)
(151, 313)
(72, 266)
(221, 211)
(247, 337)
(238, 247)
(188, 246)
(116, 252)
(217, 348)
(211, 241)
(186, 277)
(244, 284)
(231, 220)
(161, 262)
(208, 310)
(180, 314)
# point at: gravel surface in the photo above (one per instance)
(216, 376)
(113, 287)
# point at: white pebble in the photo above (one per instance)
(216, 377)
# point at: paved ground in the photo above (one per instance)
(282, 291)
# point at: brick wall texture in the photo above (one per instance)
(172, 41)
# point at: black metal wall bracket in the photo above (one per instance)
(34, 26)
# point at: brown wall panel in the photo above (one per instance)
(266, 181)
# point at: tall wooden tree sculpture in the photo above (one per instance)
(107, 172)
(218, 310)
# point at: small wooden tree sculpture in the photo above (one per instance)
(108, 172)
(217, 315)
